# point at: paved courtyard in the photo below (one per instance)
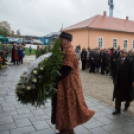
(16, 118)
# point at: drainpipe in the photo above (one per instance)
(88, 37)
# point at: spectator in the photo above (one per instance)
(84, 58)
(92, 61)
(15, 54)
(124, 82)
(30, 49)
(21, 54)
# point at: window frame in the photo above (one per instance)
(124, 44)
(132, 44)
(113, 43)
(102, 41)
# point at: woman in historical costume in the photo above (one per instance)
(15, 54)
(69, 108)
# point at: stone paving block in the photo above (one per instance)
(90, 105)
(8, 104)
(19, 105)
(7, 127)
(10, 93)
(114, 118)
(6, 119)
(45, 131)
(49, 114)
(24, 130)
(6, 132)
(99, 130)
(100, 114)
(113, 127)
(47, 110)
(52, 126)
(8, 108)
(2, 99)
(2, 92)
(22, 116)
(125, 123)
(40, 125)
(1, 111)
(48, 105)
(120, 131)
(4, 88)
(23, 123)
(10, 99)
(38, 112)
(101, 107)
(93, 124)
(95, 109)
(8, 114)
(23, 111)
(107, 111)
(92, 119)
(129, 130)
(39, 118)
(81, 130)
(105, 120)
(104, 104)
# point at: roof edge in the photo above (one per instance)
(81, 22)
(110, 30)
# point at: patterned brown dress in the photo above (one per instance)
(71, 106)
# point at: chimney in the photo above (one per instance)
(126, 17)
(104, 14)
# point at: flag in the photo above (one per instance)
(109, 2)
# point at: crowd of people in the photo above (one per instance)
(103, 59)
(17, 53)
(119, 65)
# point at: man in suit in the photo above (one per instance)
(132, 55)
(104, 61)
(92, 58)
(84, 58)
(124, 82)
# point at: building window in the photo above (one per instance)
(100, 42)
(114, 43)
(133, 45)
(125, 44)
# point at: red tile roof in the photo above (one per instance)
(106, 23)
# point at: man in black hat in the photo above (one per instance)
(71, 109)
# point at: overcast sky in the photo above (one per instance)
(40, 17)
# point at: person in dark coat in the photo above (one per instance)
(104, 61)
(97, 60)
(21, 54)
(84, 58)
(117, 53)
(132, 55)
(92, 59)
(107, 61)
(113, 62)
(124, 82)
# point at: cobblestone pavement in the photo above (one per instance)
(101, 88)
(16, 118)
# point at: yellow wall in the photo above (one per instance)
(80, 37)
(108, 37)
